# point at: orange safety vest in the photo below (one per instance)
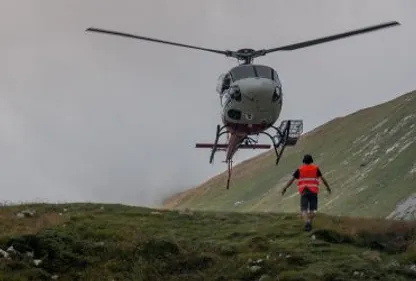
(308, 177)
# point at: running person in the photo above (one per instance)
(307, 176)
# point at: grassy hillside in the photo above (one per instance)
(368, 158)
(77, 242)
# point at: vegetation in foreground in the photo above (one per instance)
(115, 242)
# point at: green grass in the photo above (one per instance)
(115, 242)
(352, 153)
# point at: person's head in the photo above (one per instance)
(307, 159)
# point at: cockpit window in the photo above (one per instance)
(264, 71)
(276, 78)
(241, 72)
(247, 71)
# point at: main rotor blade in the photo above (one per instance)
(93, 29)
(331, 38)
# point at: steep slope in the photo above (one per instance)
(94, 242)
(369, 158)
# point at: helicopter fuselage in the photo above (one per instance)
(251, 99)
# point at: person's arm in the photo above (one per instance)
(289, 183)
(324, 181)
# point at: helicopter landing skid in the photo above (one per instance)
(245, 144)
(287, 134)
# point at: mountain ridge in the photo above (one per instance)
(368, 165)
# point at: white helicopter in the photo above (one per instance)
(251, 97)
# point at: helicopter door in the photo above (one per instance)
(220, 83)
(224, 82)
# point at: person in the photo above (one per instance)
(307, 176)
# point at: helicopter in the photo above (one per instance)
(251, 97)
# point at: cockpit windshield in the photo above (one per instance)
(247, 71)
(241, 72)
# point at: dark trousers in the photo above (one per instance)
(308, 201)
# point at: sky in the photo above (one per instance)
(92, 117)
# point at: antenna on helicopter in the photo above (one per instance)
(247, 55)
